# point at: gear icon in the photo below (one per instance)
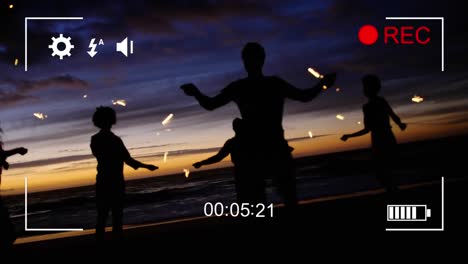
(57, 51)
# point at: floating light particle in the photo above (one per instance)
(315, 73)
(40, 115)
(187, 173)
(119, 102)
(417, 99)
(167, 120)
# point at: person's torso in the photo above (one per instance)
(378, 121)
(261, 103)
(110, 156)
(377, 115)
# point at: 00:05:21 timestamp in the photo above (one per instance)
(236, 210)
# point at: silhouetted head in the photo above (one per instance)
(104, 117)
(237, 125)
(253, 55)
(371, 85)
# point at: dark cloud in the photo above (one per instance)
(21, 89)
(11, 98)
(308, 138)
(155, 146)
(77, 158)
(44, 162)
(66, 81)
(73, 131)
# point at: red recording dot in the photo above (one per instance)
(368, 35)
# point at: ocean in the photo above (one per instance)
(171, 197)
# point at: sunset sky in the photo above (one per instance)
(176, 42)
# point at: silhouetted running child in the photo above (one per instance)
(111, 154)
(377, 114)
(260, 100)
(7, 229)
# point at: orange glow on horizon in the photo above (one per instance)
(67, 175)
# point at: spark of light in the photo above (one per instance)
(167, 120)
(187, 173)
(40, 116)
(417, 99)
(119, 102)
(315, 73)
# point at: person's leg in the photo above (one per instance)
(250, 183)
(285, 178)
(384, 173)
(255, 186)
(7, 230)
(117, 213)
(102, 212)
(287, 187)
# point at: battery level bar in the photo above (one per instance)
(408, 213)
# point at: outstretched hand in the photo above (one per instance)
(190, 89)
(6, 165)
(329, 79)
(197, 165)
(22, 151)
(151, 167)
(402, 126)
(344, 137)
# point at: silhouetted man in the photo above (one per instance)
(260, 100)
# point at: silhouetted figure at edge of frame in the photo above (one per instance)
(247, 190)
(260, 100)
(377, 114)
(7, 229)
(111, 154)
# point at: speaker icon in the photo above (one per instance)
(123, 47)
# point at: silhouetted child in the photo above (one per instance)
(7, 229)
(111, 154)
(377, 114)
(248, 190)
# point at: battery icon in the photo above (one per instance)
(408, 212)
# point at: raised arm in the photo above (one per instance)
(7, 153)
(209, 103)
(306, 95)
(223, 153)
(11, 152)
